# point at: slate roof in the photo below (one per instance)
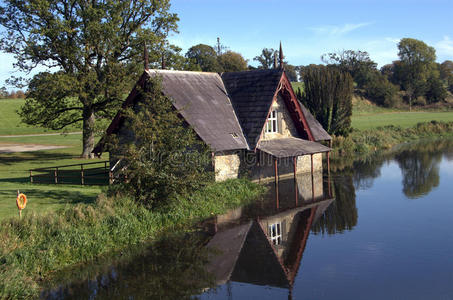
(318, 132)
(251, 93)
(227, 111)
(202, 101)
(290, 147)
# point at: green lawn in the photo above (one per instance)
(14, 175)
(403, 119)
(10, 122)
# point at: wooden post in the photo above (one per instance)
(296, 190)
(81, 174)
(312, 180)
(31, 176)
(276, 182)
(110, 177)
(56, 175)
(105, 166)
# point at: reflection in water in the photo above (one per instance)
(263, 244)
(172, 268)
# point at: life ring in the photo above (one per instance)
(21, 201)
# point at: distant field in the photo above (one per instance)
(10, 123)
(403, 119)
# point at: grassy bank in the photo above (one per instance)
(32, 248)
(362, 143)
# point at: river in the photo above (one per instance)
(378, 229)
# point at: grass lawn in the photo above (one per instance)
(403, 119)
(14, 175)
(10, 122)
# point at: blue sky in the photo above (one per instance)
(308, 29)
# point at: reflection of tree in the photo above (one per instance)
(341, 215)
(366, 171)
(173, 268)
(420, 170)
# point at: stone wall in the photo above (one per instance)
(227, 165)
(286, 127)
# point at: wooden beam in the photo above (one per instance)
(295, 179)
(312, 180)
(276, 182)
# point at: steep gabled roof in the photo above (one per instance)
(252, 93)
(201, 99)
(318, 132)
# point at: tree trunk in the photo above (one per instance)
(88, 133)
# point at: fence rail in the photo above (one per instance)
(92, 173)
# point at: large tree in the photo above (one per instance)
(266, 58)
(416, 71)
(357, 63)
(328, 95)
(93, 45)
(232, 61)
(203, 57)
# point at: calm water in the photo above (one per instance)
(378, 230)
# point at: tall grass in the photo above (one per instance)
(34, 247)
(361, 143)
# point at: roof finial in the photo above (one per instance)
(145, 57)
(281, 55)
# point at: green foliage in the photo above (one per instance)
(381, 91)
(328, 95)
(232, 62)
(357, 63)
(266, 58)
(446, 73)
(205, 57)
(36, 246)
(163, 158)
(291, 72)
(94, 44)
(416, 71)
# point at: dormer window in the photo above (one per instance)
(271, 125)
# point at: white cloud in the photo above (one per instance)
(445, 46)
(336, 30)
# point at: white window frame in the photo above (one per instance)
(272, 123)
(275, 233)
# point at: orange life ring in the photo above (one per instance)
(21, 201)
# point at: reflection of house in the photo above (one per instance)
(263, 244)
(251, 120)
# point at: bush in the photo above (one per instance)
(382, 92)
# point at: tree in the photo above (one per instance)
(94, 45)
(205, 57)
(232, 61)
(328, 96)
(416, 66)
(446, 73)
(266, 59)
(163, 157)
(291, 72)
(357, 63)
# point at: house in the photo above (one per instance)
(251, 120)
(265, 245)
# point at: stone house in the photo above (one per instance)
(251, 120)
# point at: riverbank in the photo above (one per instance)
(37, 245)
(363, 143)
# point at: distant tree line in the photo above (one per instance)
(4, 94)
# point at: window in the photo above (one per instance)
(271, 125)
(275, 233)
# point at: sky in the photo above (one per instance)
(307, 29)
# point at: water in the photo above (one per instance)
(381, 229)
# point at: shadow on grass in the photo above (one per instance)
(53, 196)
(35, 156)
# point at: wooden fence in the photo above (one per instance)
(93, 173)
